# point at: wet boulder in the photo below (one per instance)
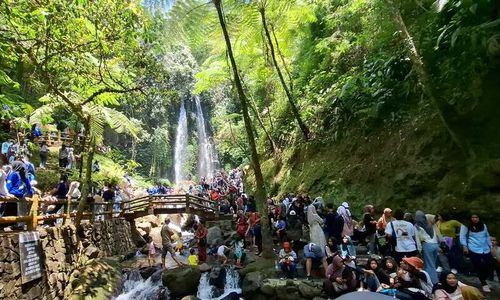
(181, 281)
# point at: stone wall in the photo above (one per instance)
(64, 250)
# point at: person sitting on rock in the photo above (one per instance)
(340, 279)
(314, 254)
(287, 260)
(192, 258)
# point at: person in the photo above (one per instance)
(385, 218)
(477, 245)
(63, 156)
(281, 228)
(200, 234)
(6, 150)
(345, 213)
(346, 248)
(313, 253)
(254, 221)
(316, 234)
(222, 254)
(70, 158)
(96, 167)
(413, 282)
(371, 274)
(427, 243)
(241, 225)
(192, 258)
(287, 261)
(339, 278)
(448, 287)
(331, 249)
(495, 250)
(334, 223)
(388, 270)
(239, 252)
(450, 229)
(166, 240)
(73, 193)
(370, 227)
(44, 154)
(108, 196)
(403, 233)
(151, 251)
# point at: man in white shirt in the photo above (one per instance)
(404, 233)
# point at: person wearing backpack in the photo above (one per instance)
(476, 243)
(403, 234)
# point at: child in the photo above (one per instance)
(239, 254)
(151, 251)
(192, 258)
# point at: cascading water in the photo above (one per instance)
(231, 285)
(135, 287)
(181, 140)
(207, 156)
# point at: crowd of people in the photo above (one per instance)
(411, 256)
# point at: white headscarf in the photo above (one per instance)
(344, 212)
(312, 215)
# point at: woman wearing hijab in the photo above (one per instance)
(385, 218)
(427, 243)
(345, 213)
(449, 288)
(316, 234)
(476, 243)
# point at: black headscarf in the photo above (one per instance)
(443, 284)
(476, 227)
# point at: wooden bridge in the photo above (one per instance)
(129, 210)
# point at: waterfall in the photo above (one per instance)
(231, 285)
(181, 140)
(135, 287)
(207, 157)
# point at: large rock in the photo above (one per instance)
(144, 226)
(181, 281)
(309, 291)
(252, 283)
(214, 236)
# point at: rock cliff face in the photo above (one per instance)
(413, 165)
(63, 252)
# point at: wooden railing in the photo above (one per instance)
(131, 209)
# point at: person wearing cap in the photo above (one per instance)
(314, 253)
(413, 282)
(287, 260)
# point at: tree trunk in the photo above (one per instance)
(295, 110)
(442, 108)
(282, 57)
(88, 176)
(259, 179)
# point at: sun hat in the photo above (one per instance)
(415, 262)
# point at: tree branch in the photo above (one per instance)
(108, 90)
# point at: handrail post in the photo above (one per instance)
(188, 209)
(34, 213)
(67, 217)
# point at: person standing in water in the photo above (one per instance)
(166, 240)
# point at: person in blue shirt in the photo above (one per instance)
(477, 244)
(18, 183)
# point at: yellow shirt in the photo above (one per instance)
(450, 228)
(193, 260)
